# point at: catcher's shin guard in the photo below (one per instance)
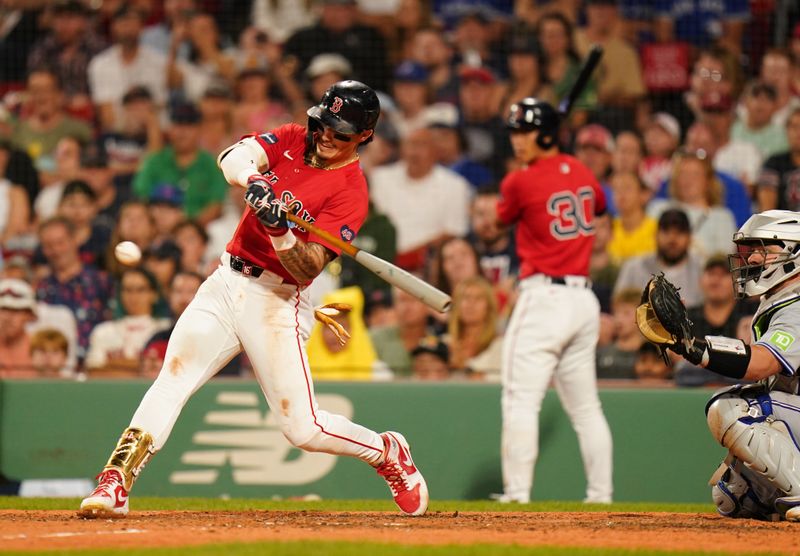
(763, 443)
(133, 451)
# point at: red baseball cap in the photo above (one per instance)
(473, 73)
(595, 135)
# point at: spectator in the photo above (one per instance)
(618, 359)
(633, 232)
(695, 189)
(603, 270)
(49, 354)
(661, 139)
(183, 163)
(430, 360)
(67, 51)
(323, 71)
(650, 366)
(45, 122)
(164, 262)
(98, 173)
(166, 212)
(412, 95)
(628, 155)
(430, 48)
(487, 139)
(137, 133)
(14, 214)
(182, 289)
(216, 119)
(472, 338)
(338, 31)
(760, 100)
(255, 111)
(718, 315)
(379, 309)
(495, 246)
(159, 36)
(396, 190)
(672, 257)
(451, 145)
(79, 205)
(192, 240)
(68, 166)
(456, 261)
(700, 139)
(776, 70)
(562, 64)
(777, 183)
(20, 30)
(715, 79)
(17, 306)
(471, 38)
(394, 344)
(281, 18)
(206, 65)
(525, 73)
(702, 23)
(134, 224)
(83, 288)
(593, 146)
(330, 359)
(619, 81)
(115, 346)
(124, 65)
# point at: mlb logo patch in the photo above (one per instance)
(346, 233)
(269, 138)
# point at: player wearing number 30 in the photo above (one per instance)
(553, 330)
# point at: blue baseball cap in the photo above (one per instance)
(167, 194)
(411, 71)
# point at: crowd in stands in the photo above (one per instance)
(113, 113)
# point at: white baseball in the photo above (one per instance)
(128, 253)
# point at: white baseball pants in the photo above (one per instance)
(271, 321)
(553, 334)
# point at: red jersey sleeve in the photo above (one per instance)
(508, 207)
(345, 211)
(281, 139)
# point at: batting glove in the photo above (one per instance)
(271, 212)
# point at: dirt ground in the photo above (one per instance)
(38, 530)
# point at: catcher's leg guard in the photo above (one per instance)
(754, 436)
(739, 492)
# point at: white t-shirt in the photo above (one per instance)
(125, 337)
(423, 209)
(110, 78)
(739, 159)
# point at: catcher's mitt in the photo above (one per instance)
(662, 318)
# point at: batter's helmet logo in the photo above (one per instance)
(346, 233)
(336, 105)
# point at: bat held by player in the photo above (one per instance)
(429, 295)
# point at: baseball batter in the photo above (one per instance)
(555, 324)
(758, 423)
(256, 300)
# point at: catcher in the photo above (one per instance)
(757, 422)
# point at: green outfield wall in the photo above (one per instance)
(225, 442)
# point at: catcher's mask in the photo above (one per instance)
(774, 238)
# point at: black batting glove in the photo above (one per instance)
(267, 208)
(259, 192)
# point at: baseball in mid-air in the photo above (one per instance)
(128, 253)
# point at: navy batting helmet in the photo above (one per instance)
(531, 114)
(346, 107)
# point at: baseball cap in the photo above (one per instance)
(16, 295)
(668, 123)
(166, 250)
(377, 298)
(476, 73)
(674, 219)
(411, 71)
(595, 135)
(185, 114)
(717, 260)
(328, 63)
(138, 92)
(433, 345)
(166, 194)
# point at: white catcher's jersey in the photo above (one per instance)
(776, 326)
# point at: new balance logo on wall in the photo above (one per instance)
(249, 445)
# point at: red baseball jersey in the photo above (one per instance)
(334, 200)
(553, 203)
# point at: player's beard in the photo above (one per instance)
(670, 257)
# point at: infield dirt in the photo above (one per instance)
(38, 530)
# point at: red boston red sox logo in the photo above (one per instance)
(337, 105)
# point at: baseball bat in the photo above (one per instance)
(430, 296)
(589, 65)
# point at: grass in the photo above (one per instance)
(238, 504)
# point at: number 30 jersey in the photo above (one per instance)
(553, 203)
